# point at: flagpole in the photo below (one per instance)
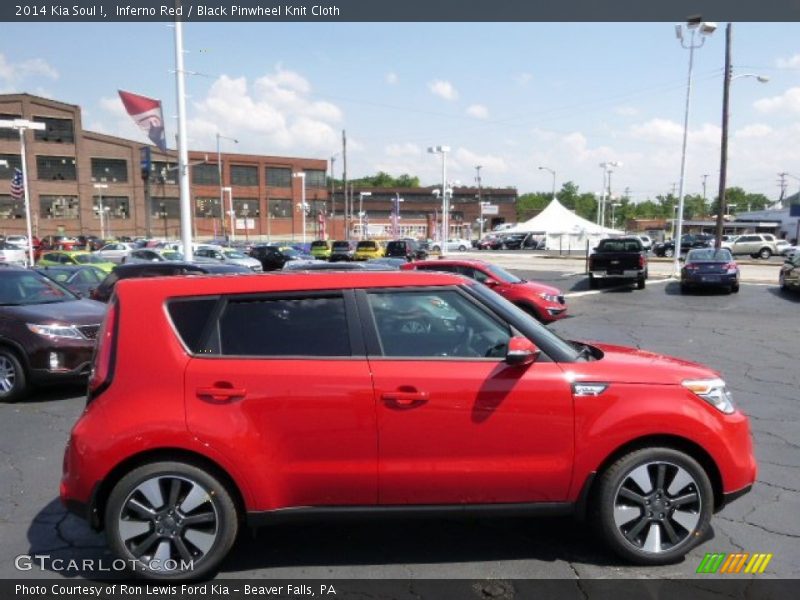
(183, 153)
(27, 196)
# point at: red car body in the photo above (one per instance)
(544, 302)
(374, 431)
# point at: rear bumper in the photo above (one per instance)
(623, 274)
(710, 279)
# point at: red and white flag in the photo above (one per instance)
(148, 116)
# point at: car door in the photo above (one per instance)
(286, 377)
(456, 423)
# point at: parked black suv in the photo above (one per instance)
(273, 257)
(688, 241)
(47, 333)
(407, 248)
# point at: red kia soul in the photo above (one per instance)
(312, 394)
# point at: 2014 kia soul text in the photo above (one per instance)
(310, 394)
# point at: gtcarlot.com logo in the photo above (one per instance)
(741, 562)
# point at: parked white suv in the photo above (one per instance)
(757, 245)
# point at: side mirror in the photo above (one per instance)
(521, 351)
(491, 283)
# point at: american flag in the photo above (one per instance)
(17, 186)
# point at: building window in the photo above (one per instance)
(9, 134)
(244, 175)
(10, 208)
(246, 207)
(56, 130)
(109, 169)
(279, 177)
(170, 206)
(61, 168)
(164, 172)
(114, 207)
(58, 207)
(316, 178)
(205, 175)
(280, 208)
(207, 208)
(14, 162)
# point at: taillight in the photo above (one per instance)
(730, 266)
(104, 353)
(641, 261)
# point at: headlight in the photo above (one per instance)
(56, 331)
(712, 391)
(549, 297)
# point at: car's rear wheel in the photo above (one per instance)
(13, 383)
(735, 288)
(669, 252)
(765, 253)
(654, 505)
(640, 283)
(462, 248)
(171, 521)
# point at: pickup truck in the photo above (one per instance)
(618, 258)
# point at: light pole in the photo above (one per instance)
(613, 219)
(231, 214)
(163, 208)
(100, 208)
(21, 125)
(361, 212)
(302, 176)
(608, 168)
(219, 171)
(553, 173)
(396, 212)
(245, 212)
(443, 150)
(333, 187)
(703, 29)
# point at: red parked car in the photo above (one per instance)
(311, 395)
(544, 302)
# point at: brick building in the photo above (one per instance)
(73, 174)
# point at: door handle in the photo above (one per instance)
(220, 392)
(403, 400)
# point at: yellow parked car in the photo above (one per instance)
(74, 257)
(367, 249)
(320, 249)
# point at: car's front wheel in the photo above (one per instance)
(171, 521)
(669, 252)
(13, 383)
(765, 253)
(654, 505)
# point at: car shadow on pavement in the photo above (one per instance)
(787, 295)
(54, 393)
(673, 288)
(73, 549)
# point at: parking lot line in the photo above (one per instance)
(609, 289)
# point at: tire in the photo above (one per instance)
(684, 288)
(13, 380)
(640, 283)
(765, 253)
(735, 288)
(669, 252)
(436, 249)
(593, 283)
(462, 248)
(647, 526)
(140, 540)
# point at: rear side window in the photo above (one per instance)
(272, 327)
(191, 320)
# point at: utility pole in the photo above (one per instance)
(344, 185)
(705, 177)
(674, 189)
(723, 160)
(480, 200)
(782, 185)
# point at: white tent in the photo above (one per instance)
(563, 229)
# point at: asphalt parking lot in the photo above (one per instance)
(750, 337)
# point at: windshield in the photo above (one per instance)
(319, 244)
(19, 288)
(290, 252)
(367, 245)
(341, 245)
(502, 274)
(172, 255)
(233, 254)
(711, 254)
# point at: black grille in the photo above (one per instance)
(561, 300)
(89, 331)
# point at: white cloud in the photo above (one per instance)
(664, 130)
(14, 76)
(392, 78)
(406, 149)
(788, 101)
(465, 161)
(443, 89)
(756, 130)
(523, 78)
(788, 63)
(479, 111)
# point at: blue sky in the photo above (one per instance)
(510, 97)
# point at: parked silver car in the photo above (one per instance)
(115, 252)
(230, 256)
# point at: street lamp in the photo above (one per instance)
(302, 176)
(163, 215)
(608, 168)
(443, 150)
(701, 30)
(219, 171)
(21, 125)
(231, 214)
(100, 211)
(613, 219)
(245, 213)
(361, 212)
(553, 173)
(396, 215)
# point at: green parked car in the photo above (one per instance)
(321, 250)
